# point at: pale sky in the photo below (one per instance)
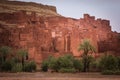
(105, 9)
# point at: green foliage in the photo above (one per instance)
(87, 60)
(118, 63)
(15, 64)
(17, 67)
(67, 70)
(7, 65)
(66, 61)
(44, 66)
(94, 66)
(110, 72)
(117, 72)
(86, 47)
(30, 66)
(78, 65)
(53, 64)
(22, 52)
(108, 62)
(4, 51)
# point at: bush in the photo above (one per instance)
(78, 65)
(108, 72)
(30, 66)
(118, 63)
(53, 64)
(94, 66)
(117, 72)
(17, 68)
(7, 65)
(44, 66)
(111, 72)
(67, 70)
(4, 52)
(108, 62)
(66, 61)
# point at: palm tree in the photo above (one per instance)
(22, 53)
(4, 51)
(86, 47)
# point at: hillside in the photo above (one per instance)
(14, 6)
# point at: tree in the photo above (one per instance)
(22, 53)
(4, 51)
(86, 47)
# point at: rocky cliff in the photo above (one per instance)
(40, 9)
(43, 36)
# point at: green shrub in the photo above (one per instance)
(111, 72)
(67, 70)
(44, 66)
(94, 66)
(53, 64)
(7, 65)
(108, 72)
(4, 52)
(117, 72)
(118, 63)
(78, 65)
(17, 68)
(30, 66)
(66, 61)
(108, 62)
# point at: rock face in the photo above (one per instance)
(55, 35)
(7, 6)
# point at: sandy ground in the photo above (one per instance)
(57, 76)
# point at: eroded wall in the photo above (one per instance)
(45, 36)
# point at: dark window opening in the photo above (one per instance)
(26, 57)
(95, 26)
(33, 22)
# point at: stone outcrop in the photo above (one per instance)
(7, 6)
(55, 35)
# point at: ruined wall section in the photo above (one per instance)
(100, 31)
(97, 30)
(30, 33)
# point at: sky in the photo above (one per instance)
(105, 9)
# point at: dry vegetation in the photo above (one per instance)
(13, 6)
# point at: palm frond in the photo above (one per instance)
(86, 46)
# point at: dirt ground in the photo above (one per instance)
(57, 76)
